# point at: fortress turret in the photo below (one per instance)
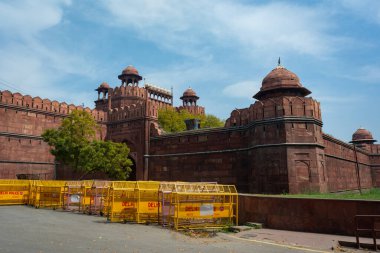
(189, 102)
(362, 137)
(102, 102)
(130, 76)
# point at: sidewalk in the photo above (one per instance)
(306, 241)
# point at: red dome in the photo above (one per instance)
(104, 85)
(281, 81)
(189, 93)
(130, 70)
(362, 135)
(280, 77)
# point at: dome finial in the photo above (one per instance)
(279, 64)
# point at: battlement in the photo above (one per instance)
(275, 107)
(193, 109)
(124, 90)
(127, 112)
(37, 104)
(136, 110)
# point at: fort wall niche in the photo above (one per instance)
(306, 170)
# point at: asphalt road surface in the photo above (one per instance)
(26, 229)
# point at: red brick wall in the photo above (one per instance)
(306, 215)
(225, 155)
(22, 121)
(259, 150)
(216, 157)
(341, 166)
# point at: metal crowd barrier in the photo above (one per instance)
(75, 195)
(49, 193)
(179, 205)
(164, 198)
(14, 192)
(133, 201)
(96, 197)
(199, 206)
(33, 192)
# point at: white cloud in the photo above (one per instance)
(27, 18)
(365, 9)
(244, 89)
(180, 77)
(31, 62)
(183, 26)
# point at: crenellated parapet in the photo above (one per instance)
(129, 91)
(36, 104)
(128, 112)
(193, 109)
(277, 107)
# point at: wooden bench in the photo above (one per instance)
(373, 220)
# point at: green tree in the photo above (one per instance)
(74, 144)
(211, 121)
(108, 157)
(173, 121)
(170, 120)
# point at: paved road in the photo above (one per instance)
(26, 229)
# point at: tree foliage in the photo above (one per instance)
(74, 144)
(173, 121)
(211, 121)
(108, 157)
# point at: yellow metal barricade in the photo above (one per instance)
(96, 197)
(74, 195)
(164, 197)
(199, 206)
(14, 192)
(122, 201)
(33, 192)
(147, 204)
(134, 201)
(49, 193)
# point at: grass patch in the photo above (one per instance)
(372, 194)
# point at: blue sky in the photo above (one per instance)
(62, 49)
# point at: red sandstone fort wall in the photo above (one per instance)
(205, 155)
(341, 166)
(23, 120)
(306, 215)
(375, 164)
(224, 155)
